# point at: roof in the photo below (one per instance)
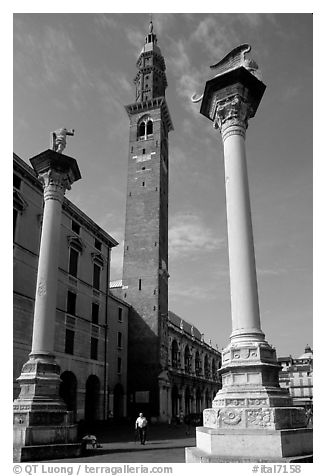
(188, 328)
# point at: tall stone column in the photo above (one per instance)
(43, 428)
(251, 418)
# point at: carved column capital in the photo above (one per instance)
(55, 184)
(231, 116)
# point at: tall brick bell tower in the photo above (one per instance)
(145, 266)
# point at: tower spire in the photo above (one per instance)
(150, 79)
(150, 23)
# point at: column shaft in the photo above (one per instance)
(46, 287)
(243, 281)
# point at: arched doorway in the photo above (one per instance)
(68, 391)
(174, 396)
(92, 398)
(118, 401)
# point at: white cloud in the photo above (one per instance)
(136, 38)
(189, 236)
(213, 35)
(117, 261)
(201, 292)
(105, 21)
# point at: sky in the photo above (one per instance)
(76, 70)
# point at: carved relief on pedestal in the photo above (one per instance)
(260, 417)
(230, 417)
(257, 402)
(226, 356)
(210, 418)
(245, 353)
(29, 367)
(19, 418)
(235, 402)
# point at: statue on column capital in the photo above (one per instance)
(237, 58)
(58, 139)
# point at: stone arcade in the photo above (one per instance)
(252, 418)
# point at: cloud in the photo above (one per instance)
(189, 236)
(162, 21)
(136, 38)
(106, 22)
(214, 37)
(117, 261)
(196, 292)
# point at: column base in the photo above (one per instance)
(245, 446)
(43, 428)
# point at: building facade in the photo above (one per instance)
(193, 368)
(91, 335)
(297, 375)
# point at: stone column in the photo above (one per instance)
(250, 400)
(231, 118)
(55, 184)
(43, 428)
(182, 400)
(164, 387)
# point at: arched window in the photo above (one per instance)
(142, 129)
(145, 128)
(187, 360)
(174, 354)
(149, 127)
(197, 364)
(206, 367)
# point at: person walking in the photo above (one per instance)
(141, 427)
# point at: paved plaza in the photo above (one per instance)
(165, 444)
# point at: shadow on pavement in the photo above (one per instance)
(124, 431)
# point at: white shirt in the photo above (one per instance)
(141, 422)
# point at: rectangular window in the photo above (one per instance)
(75, 227)
(95, 312)
(73, 262)
(96, 276)
(119, 365)
(71, 303)
(139, 284)
(17, 181)
(119, 340)
(69, 343)
(120, 314)
(98, 244)
(94, 346)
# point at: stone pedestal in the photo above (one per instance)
(246, 446)
(252, 418)
(43, 428)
